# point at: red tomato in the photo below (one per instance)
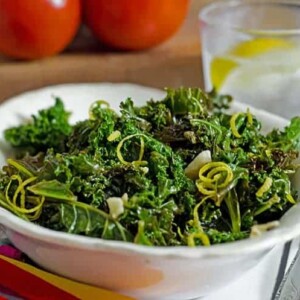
(37, 28)
(134, 24)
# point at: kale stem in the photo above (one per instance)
(233, 206)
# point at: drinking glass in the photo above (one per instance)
(251, 50)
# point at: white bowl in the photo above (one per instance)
(139, 271)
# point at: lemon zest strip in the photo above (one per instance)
(19, 167)
(141, 154)
(265, 187)
(290, 198)
(20, 189)
(249, 117)
(36, 210)
(209, 179)
(200, 235)
(233, 125)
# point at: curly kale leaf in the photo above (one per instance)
(185, 101)
(220, 237)
(289, 138)
(292, 133)
(219, 101)
(48, 129)
(149, 117)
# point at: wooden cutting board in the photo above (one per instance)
(175, 63)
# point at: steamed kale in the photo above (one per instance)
(127, 177)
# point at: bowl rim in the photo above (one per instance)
(11, 223)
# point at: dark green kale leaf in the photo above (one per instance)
(289, 139)
(48, 129)
(78, 218)
(219, 101)
(185, 101)
(292, 133)
(152, 116)
(220, 237)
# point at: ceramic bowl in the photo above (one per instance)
(162, 273)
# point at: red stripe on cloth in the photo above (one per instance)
(5, 291)
(28, 285)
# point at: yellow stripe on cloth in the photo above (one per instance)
(79, 290)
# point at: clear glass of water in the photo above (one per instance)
(251, 50)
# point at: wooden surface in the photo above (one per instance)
(176, 62)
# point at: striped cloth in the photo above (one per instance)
(20, 280)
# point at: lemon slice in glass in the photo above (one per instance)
(222, 66)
